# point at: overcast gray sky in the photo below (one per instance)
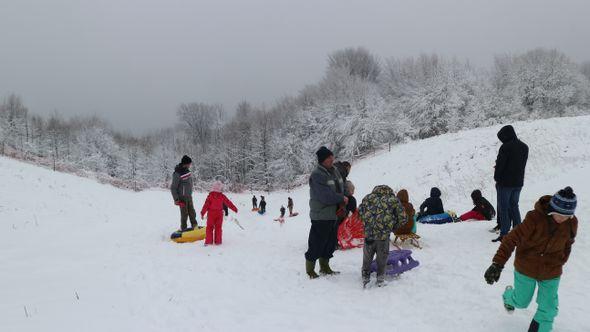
(134, 62)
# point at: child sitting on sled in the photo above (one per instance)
(213, 207)
(432, 205)
(482, 210)
(381, 213)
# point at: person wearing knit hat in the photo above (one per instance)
(323, 153)
(543, 244)
(182, 190)
(326, 189)
(214, 207)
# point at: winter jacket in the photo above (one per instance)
(290, 203)
(404, 198)
(182, 183)
(512, 159)
(381, 213)
(262, 205)
(432, 205)
(542, 245)
(482, 205)
(215, 202)
(326, 190)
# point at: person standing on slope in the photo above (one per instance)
(213, 207)
(326, 190)
(290, 206)
(182, 191)
(262, 205)
(543, 245)
(381, 213)
(254, 203)
(509, 177)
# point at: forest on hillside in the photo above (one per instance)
(361, 104)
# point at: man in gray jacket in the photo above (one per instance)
(182, 192)
(326, 194)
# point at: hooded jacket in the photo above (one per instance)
(404, 198)
(326, 192)
(432, 205)
(511, 160)
(182, 183)
(482, 205)
(381, 213)
(542, 245)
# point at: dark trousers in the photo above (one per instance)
(372, 247)
(322, 239)
(187, 211)
(508, 210)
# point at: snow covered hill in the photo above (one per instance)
(81, 256)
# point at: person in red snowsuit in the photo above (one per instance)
(213, 207)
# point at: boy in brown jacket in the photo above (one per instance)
(543, 244)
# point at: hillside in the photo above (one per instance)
(82, 256)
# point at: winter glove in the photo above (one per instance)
(180, 203)
(492, 274)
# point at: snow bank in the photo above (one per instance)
(82, 256)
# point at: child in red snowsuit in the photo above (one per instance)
(213, 207)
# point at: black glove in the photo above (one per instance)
(492, 274)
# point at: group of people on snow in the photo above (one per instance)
(542, 242)
(215, 206)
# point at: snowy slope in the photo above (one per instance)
(82, 256)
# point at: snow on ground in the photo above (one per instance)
(81, 256)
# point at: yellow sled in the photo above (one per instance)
(190, 235)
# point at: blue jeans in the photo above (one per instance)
(508, 211)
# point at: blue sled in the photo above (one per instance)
(443, 218)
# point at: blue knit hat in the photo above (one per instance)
(564, 202)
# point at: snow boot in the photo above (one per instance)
(496, 229)
(380, 283)
(498, 239)
(534, 327)
(366, 279)
(310, 269)
(508, 307)
(325, 267)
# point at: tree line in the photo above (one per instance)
(361, 103)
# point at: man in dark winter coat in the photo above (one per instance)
(182, 190)
(432, 205)
(509, 177)
(326, 194)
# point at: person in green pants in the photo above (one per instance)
(543, 245)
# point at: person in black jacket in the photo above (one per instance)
(262, 205)
(254, 202)
(482, 210)
(509, 177)
(432, 205)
